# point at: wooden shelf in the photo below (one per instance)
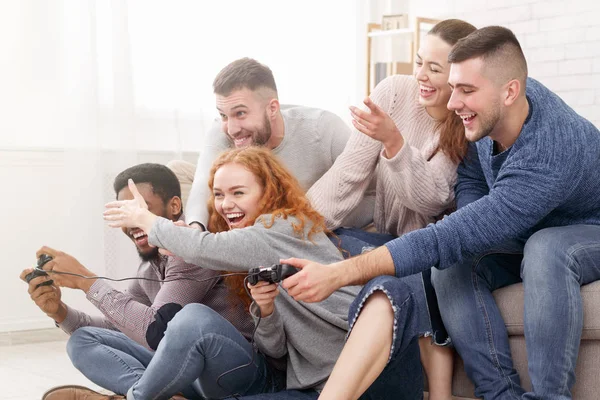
(411, 35)
(391, 32)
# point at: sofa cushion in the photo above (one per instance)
(510, 302)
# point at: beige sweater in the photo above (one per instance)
(410, 191)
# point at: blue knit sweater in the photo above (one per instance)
(549, 177)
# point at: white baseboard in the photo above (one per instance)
(26, 324)
(32, 336)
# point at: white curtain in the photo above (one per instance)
(91, 87)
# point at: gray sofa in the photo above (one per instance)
(510, 301)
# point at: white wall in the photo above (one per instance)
(56, 198)
(561, 41)
(90, 88)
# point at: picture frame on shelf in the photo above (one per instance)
(391, 49)
(397, 21)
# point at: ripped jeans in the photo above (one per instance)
(429, 320)
(402, 377)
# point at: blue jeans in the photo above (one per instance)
(198, 347)
(356, 241)
(553, 264)
(402, 378)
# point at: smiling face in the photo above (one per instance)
(475, 98)
(155, 206)
(244, 118)
(431, 70)
(237, 193)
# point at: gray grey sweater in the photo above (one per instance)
(310, 334)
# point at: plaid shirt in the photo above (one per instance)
(134, 310)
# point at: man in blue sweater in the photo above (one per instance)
(528, 198)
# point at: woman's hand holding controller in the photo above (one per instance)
(264, 294)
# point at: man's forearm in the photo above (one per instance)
(361, 269)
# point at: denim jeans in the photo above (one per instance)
(198, 347)
(356, 241)
(553, 264)
(284, 395)
(402, 378)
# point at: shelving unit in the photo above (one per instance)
(396, 60)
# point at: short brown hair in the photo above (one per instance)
(245, 73)
(498, 47)
(452, 30)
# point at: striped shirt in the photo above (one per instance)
(143, 310)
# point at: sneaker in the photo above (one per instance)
(74, 392)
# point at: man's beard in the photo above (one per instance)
(149, 256)
(153, 254)
(262, 135)
(487, 125)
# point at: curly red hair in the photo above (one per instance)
(282, 197)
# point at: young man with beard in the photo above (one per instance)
(528, 198)
(307, 140)
(113, 350)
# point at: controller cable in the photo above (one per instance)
(252, 342)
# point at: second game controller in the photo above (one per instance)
(273, 274)
(38, 271)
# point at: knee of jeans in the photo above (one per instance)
(77, 341)
(194, 319)
(448, 278)
(545, 253)
(437, 278)
(542, 242)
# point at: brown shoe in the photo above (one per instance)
(74, 392)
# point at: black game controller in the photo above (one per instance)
(38, 271)
(273, 274)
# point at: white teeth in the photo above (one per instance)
(138, 234)
(427, 89)
(465, 116)
(234, 215)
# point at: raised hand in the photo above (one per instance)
(263, 294)
(130, 213)
(377, 124)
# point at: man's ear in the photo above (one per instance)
(273, 108)
(512, 91)
(174, 206)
